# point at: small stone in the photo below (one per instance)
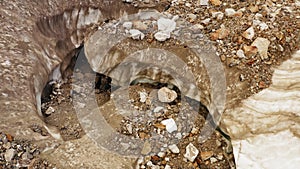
(178, 136)
(240, 53)
(191, 152)
(174, 149)
(230, 12)
(146, 148)
(127, 25)
(166, 25)
(170, 125)
(262, 45)
(9, 154)
(249, 33)
(129, 128)
(143, 96)
(167, 167)
(136, 34)
(220, 157)
(161, 154)
(203, 2)
(213, 160)
(263, 26)
(50, 110)
(206, 155)
(195, 130)
(215, 2)
(166, 95)
(162, 36)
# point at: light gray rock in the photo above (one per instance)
(262, 45)
(162, 36)
(166, 25)
(249, 33)
(136, 34)
(9, 154)
(170, 125)
(174, 149)
(127, 25)
(229, 12)
(143, 96)
(191, 152)
(166, 95)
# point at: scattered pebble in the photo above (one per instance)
(127, 25)
(166, 95)
(143, 96)
(262, 45)
(174, 149)
(170, 125)
(203, 2)
(162, 36)
(136, 34)
(213, 160)
(191, 152)
(229, 12)
(166, 25)
(50, 110)
(249, 33)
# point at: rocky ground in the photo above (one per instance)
(251, 38)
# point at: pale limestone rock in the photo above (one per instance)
(265, 128)
(191, 152)
(262, 45)
(170, 125)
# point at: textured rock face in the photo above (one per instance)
(265, 128)
(37, 37)
(31, 47)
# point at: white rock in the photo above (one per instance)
(162, 36)
(127, 25)
(191, 152)
(240, 53)
(174, 149)
(166, 95)
(203, 2)
(262, 45)
(129, 128)
(50, 110)
(143, 96)
(170, 125)
(161, 154)
(166, 25)
(229, 12)
(167, 167)
(178, 136)
(9, 154)
(136, 34)
(249, 33)
(213, 160)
